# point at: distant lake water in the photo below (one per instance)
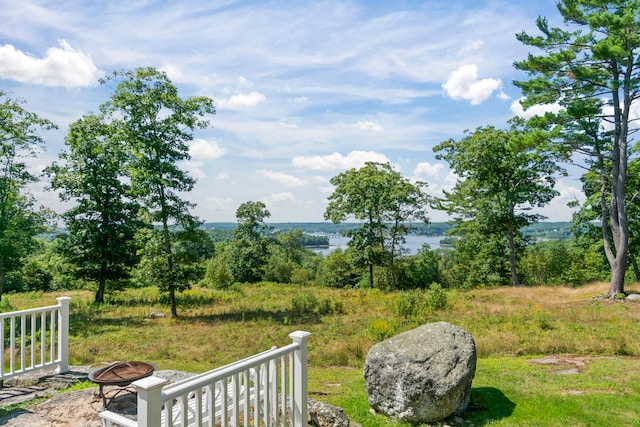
(413, 243)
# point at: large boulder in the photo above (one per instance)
(423, 375)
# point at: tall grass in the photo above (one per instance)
(509, 325)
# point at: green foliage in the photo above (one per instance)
(501, 179)
(304, 302)
(436, 298)
(102, 224)
(418, 270)
(218, 274)
(420, 302)
(338, 270)
(384, 202)
(475, 261)
(249, 248)
(589, 68)
(155, 124)
(381, 329)
(187, 257)
(20, 221)
(563, 262)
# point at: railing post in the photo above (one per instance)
(63, 334)
(300, 395)
(150, 401)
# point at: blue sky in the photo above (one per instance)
(303, 90)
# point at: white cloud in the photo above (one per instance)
(283, 178)
(281, 197)
(471, 46)
(368, 126)
(534, 110)
(194, 168)
(287, 125)
(336, 161)
(464, 84)
(634, 115)
(557, 209)
(202, 149)
(425, 170)
(242, 101)
(244, 82)
(62, 66)
(223, 176)
(219, 203)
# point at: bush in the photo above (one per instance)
(562, 262)
(218, 274)
(337, 271)
(304, 303)
(436, 297)
(381, 329)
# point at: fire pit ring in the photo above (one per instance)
(120, 374)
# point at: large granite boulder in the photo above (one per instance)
(423, 375)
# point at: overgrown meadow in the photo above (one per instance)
(510, 326)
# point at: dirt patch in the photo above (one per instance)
(568, 365)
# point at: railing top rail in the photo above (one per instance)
(29, 311)
(172, 391)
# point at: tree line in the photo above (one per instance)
(129, 224)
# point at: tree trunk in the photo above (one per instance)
(370, 275)
(512, 257)
(172, 301)
(100, 292)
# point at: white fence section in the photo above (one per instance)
(268, 389)
(34, 339)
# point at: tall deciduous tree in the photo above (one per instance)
(500, 181)
(103, 222)
(19, 220)
(249, 247)
(384, 202)
(591, 69)
(156, 124)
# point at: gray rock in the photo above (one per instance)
(325, 415)
(423, 375)
(633, 297)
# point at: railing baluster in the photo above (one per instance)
(43, 337)
(211, 400)
(224, 389)
(34, 340)
(52, 337)
(12, 345)
(283, 391)
(246, 375)
(23, 344)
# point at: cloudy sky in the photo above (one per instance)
(303, 90)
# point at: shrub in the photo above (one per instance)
(218, 274)
(381, 329)
(303, 303)
(436, 297)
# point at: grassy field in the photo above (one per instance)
(594, 380)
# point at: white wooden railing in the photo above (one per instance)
(268, 389)
(35, 339)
